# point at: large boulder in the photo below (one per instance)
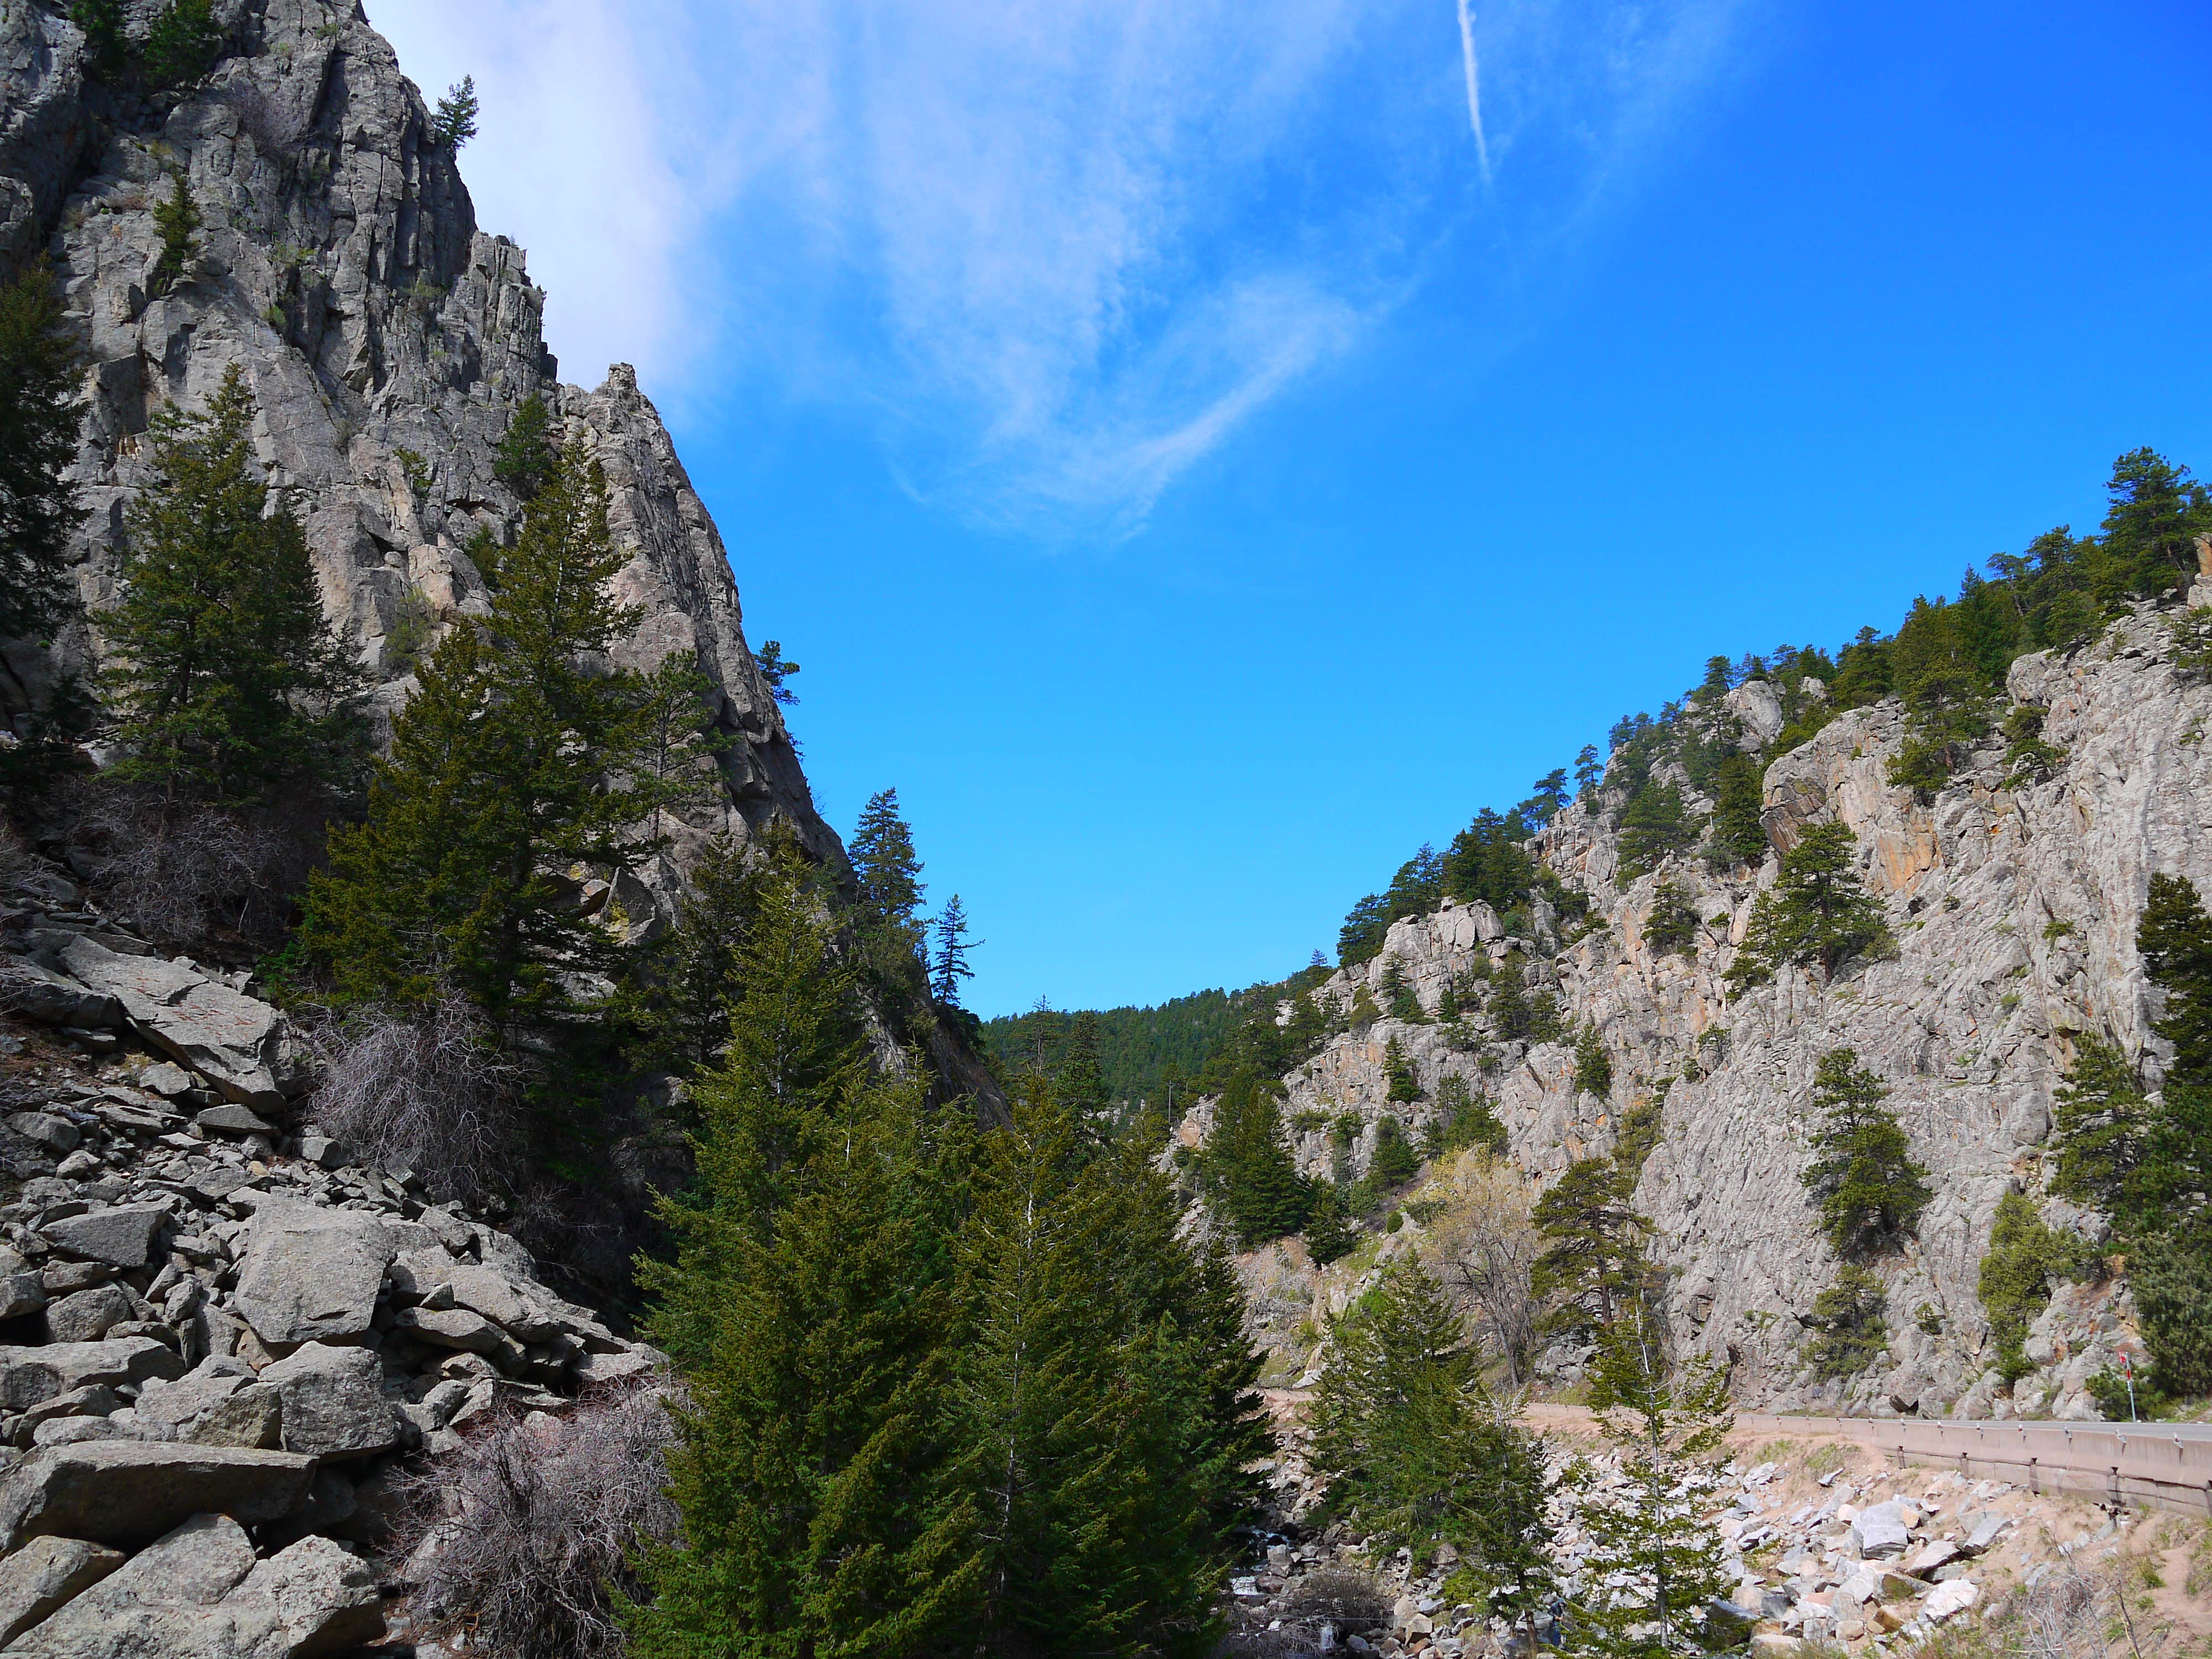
(504, 1301)
(156, 1605)
(88, 1315)
(30, 1376)
(36, 1580)
(50, 998)
(312, 1598)
(122, 1236)
(199, 1594)
(333, 1402)
(127, 1492)
(463, 1328)
(234, 1040)
(311, 1274)
(1880, 1532)
(219, 1404)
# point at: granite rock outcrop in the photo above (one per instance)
(2014, 904)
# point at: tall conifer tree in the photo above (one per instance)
(1861, 1174)
(518, 761)
(228, 680)
(38, 440)
(808, 1303)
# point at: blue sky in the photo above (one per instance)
(1196, 463)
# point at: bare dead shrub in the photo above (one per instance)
(524, 1534)
(182, 874)
(428, 1089)
(1484, 1248)
(1316, 1614)
(17, 860)
(1351, 1599)
(2066, 1614)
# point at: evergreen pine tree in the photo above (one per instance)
(1671, 926)
(1655, 1565)
(1739, 834)
(229, 681)
(694, 971)
(1329, 1232)
(1818, 910)
(1862, 1175)
(1510, 1014)
(1417, 1453)
(948, 966)
(1082, 1083)
(177, 221)
(1104, 1389)
(106, 45)
(182, 43)
(1398, 998)
(1464, 1119)
(2170, 1267)
(1653, 826)
(681, 738)
(525, 459)
(1405, 1083)
(1395, 1161)
(454, 122)
(2101, 1121)
(885, 865)
(1041, 1034)
(38, 438)
(517, 762)
(1248, 1165)
(775, 669)
(1593, 1259)
(888, 876)
(817, 1471)
(1849, 1331)
(1593, 1065)
(1589, 772)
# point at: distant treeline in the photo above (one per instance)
(1140, 1050)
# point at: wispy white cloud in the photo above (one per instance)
(1059, 254)
(572, 161)
(1473, 86)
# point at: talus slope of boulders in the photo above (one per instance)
(221, 1337)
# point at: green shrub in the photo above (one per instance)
(1593, 1065)
(176, 221)
(2024, 1258)
(183, 43)
(1849, 1330)
(1863, 1176)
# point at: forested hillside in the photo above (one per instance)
(1139, 1054)
(1906, 927)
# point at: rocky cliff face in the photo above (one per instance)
(387, 339)
(2015, 910)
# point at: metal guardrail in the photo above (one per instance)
(2163, 1465)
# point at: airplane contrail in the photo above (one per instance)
(1474, 87)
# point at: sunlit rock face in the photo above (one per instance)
(2014, 911)
(386, 339)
